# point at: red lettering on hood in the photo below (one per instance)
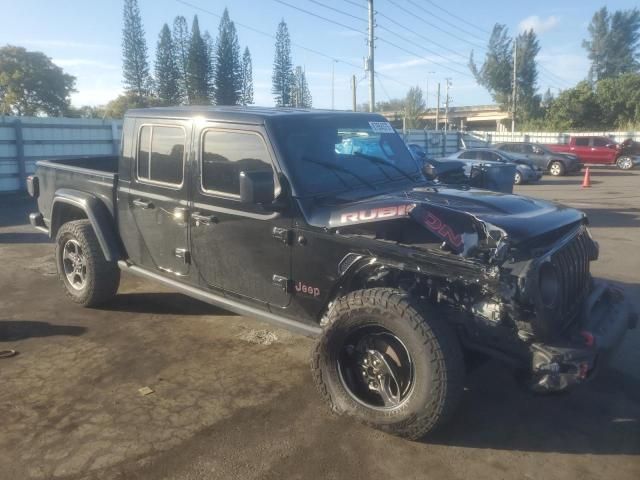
(436, 225)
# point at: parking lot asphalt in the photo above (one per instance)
(233, 397)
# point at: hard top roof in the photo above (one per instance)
(241, 114)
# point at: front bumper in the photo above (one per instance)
(605, 318)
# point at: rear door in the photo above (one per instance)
(241, 248)
(582, 149)
(158, 198)
(601, 151)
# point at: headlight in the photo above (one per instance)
(548, 284)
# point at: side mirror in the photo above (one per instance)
(257, 187)
(430, 171)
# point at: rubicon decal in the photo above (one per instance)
(376, 213)
(307, 289)
(444, 231)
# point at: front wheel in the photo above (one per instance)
(389, 363)
(89, 279)
(556, 169)
(624, 163)
(517, 180)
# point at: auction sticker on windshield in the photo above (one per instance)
(381, 127)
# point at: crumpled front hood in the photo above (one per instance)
(519, 217)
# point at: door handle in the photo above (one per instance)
(204, 219)
(142, 203)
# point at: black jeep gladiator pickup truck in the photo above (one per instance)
(261, 212)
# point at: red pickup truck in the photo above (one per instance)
(598, 150)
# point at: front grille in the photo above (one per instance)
(571, 262)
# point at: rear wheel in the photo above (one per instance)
(89, 279)
(624, 162)
(389, 364)
(556, 169)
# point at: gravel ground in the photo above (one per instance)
(233, 398)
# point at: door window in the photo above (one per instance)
(601, 142)
(161, 155)
(469, 155)
(225, 154)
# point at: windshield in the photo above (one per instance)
(332, 153)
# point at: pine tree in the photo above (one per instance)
(614, 43)
(211, 66)
(528, 104)
(166, 69)
(135, 66)
(197, 68)
(246, 92)
(300, 94)
(227, 79)
(181, 40)
(282, 77)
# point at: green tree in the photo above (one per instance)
(246, 90)
(300, 93)
(227, 79)
(181, 41)
(496, 73)
(575, 109)
(414, 107)
(619, 101)
(282, 77)
(167, 72)
(85, 111)
(135, 67)
(211, 48)
(117, 107)
(198, 65)
(528, 101)
(31, 84)
(613, 43)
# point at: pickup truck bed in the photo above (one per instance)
(94, 174)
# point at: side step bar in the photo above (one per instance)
(223, 302)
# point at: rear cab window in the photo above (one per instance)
(582, 141)
(226, 153)
(160, 155)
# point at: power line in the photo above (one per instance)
(359, 5)
(337, 10)
(457, 27)
(395, 45)
(320, 17)
(418, 35)
(415, 15)
(458, 18)
(297, 45)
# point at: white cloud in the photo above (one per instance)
(538, 24)
(95, 95)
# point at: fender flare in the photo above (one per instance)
(97, 213)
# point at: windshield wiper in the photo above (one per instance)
(334, 167)
(381, 161)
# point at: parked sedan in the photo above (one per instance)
(553, 162)
(526, 170)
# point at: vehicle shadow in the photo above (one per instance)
(602, 417)
(610, 218)
(161, 303)
(12, 330)
(20, 237)
(15, 208)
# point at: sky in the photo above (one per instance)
(419, 42)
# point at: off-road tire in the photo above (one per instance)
(557, 169)
(102, 277)
(624, 162)
(431, 342)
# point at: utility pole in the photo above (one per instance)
(353, 92)
(515, 85)
(446, 107)
(370, 63)
(438, 108)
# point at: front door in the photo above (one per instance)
(158, 199)
(243, 249)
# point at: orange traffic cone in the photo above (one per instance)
(586, 183)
